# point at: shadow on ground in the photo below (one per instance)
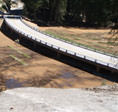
(62, 58)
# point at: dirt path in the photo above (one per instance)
(20, 66)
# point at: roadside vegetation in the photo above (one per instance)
(87, 13)
(98, 40)
(5, 5)
(78, 14)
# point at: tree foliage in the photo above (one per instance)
(7, 5)
(77, 12)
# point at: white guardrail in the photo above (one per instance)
(60, 48)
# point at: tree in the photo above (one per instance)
(52, 9)
(114, 19)
(57, 10)
(78, 12)
(74, 13)
(30, 8)
(7, 5)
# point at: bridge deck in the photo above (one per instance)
(96, 57)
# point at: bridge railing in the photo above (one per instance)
(91, 49)
(59, 48)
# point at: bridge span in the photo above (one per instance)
(99, 59)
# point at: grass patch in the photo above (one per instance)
(69, 40)
(20, 52)
(59, 37)
(103, 83)
(112, 43)
(18, 60)
(83, 40)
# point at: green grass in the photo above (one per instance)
(103, 83)
(20, 52)
(112, 43)
(69, 40)
(18, 60)
(59, 37)
(75, 39)
(96, 47)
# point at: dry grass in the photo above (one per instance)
(93, 38)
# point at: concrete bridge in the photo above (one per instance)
(96, 58)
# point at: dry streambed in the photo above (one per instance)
(25, 68)
(21, 67)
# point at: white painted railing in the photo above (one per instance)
(109, 63)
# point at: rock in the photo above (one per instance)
(60, 100)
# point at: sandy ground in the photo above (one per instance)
(38, 70)
(82, 30)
